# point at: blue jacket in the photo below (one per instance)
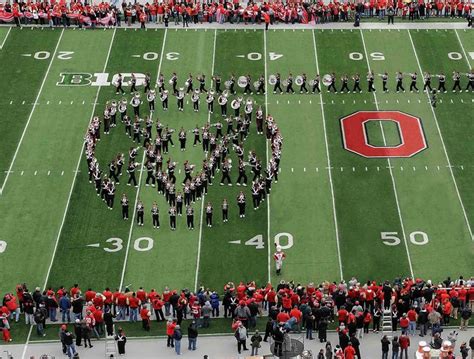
(214, 299)
(64, 303)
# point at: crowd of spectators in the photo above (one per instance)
(356, 308)
(62, 13)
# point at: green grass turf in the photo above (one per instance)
(220, 260)
(32, 205)
(365, 202)
(21, 80)
(301, 202)
(89, 221)
(443, 216)
(452, 117)
(174, 253)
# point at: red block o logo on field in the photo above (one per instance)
(354, 134)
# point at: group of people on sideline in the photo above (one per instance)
(353, 308)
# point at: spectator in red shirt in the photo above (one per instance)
(412, 317)
(349, 351)
(145, 317)
(404, 323)
(342, 315)
(133, 303)
(404, 342)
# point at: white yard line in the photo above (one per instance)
(329, 164)
(31, 113)
(5, 39)
(463, 49)
(390, 167)
(198, 258)
(130, 232)
(266, 152)
(442, 141)
(70, 191)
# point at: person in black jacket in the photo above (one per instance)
(192, 335)
(309, 324)
(322, 330)
(356, 345)
(109, 321)
(68, 341)
(423, 321)
(385, 346)
(121, 340)
(78, 332)
(395, 347)
(268, 329)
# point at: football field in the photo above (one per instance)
(336, 213)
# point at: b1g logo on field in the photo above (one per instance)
(97, 79)
(410, 129)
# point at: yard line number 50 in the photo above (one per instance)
(418, 238)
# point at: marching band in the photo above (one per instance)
(218, 143)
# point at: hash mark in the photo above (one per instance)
(62, 173)
(304, 169)
(342, 169)
(11, 102)
(23, 102)
(378, 169)
(401, 168)
(291, 169)
(426, 168)
(49, 172)
(414, 168)
(22, 172)
(437, 167)
(36, 172)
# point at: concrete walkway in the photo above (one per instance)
(213, 346)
